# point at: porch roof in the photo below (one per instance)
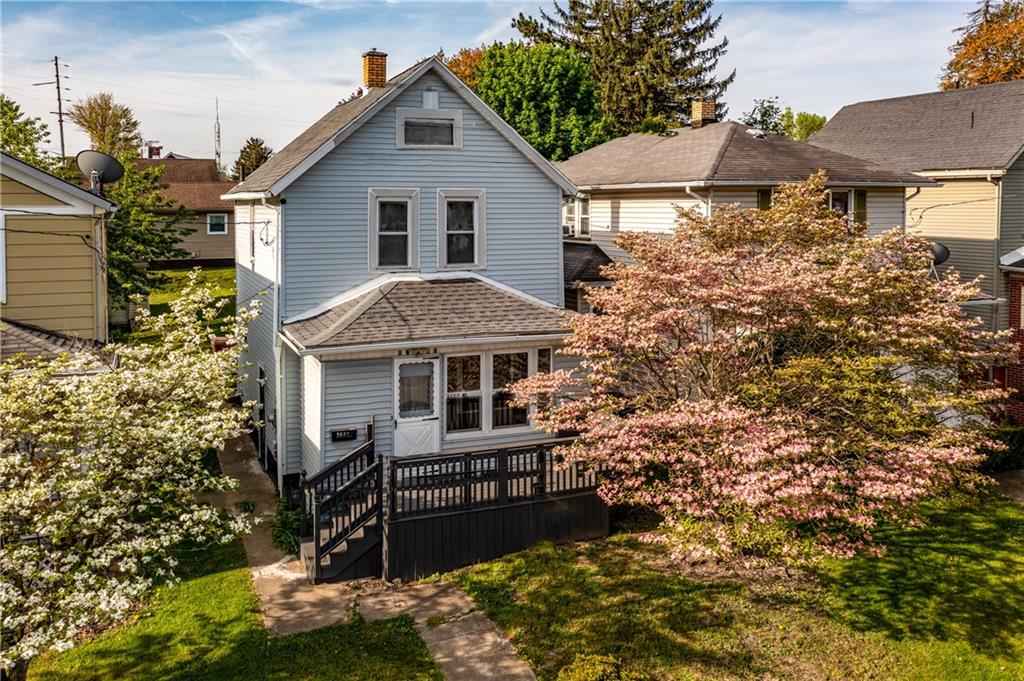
(413, 310)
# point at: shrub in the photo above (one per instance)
(598, 668)
(284, 527)
(1010, 458)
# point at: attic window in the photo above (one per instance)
(429, 128)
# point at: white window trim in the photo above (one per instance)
(849, 203)
(575, 229)
(479, 197)
(487, 394)
(404, 113)
(208, 224)
(412, 196)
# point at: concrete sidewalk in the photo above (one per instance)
(466, 645)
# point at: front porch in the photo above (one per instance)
(372, 515)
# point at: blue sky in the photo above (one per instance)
(276, 67)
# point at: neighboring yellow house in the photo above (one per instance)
(52, 246)
(971, 142)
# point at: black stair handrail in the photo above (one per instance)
(341, 499)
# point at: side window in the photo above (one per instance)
(568, 216)
(460, 218)
(507, 368)
(463, 391)
(764, 199)
(393, 229)
(217, 223)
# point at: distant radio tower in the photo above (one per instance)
(216, 133)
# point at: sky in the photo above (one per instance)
(277, 67)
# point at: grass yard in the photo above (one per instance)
(208, 627)
(945, 602)
(168, 284)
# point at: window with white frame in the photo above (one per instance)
(393, 229)
(217, 223)
(460, 219)
(477, 395)
(576, 217)
(851, 203)
(428, 128)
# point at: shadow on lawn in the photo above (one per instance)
(600, 600)
(959, 578)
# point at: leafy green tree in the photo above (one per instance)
(546, 93)
(765, 115)
(990, 48)
(801, 125)
(145, 227)
(112, 127)
(253, 154)
(650, 58)
(23, 136)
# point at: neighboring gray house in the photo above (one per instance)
(637, 182)
(971, 142)
(407, 251)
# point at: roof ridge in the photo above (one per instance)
(372, 297)
(722, 149)
(938, 93)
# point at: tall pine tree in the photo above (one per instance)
(650, 58)
(253, 154)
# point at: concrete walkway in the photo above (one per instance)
(466, 645)
(1011, 483)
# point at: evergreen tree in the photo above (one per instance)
(253, 154)
(23, 136)
(112, 127)
(990, 48)
(650, 58)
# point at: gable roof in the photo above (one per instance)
(177, 169)
(410, 309)
(195, 183)
(29, 174)
(285, 166)
(582, 262)
(720, 154)
(973, 128)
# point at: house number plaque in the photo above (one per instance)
(344, 435)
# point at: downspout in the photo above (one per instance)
(279, 381)
(700, 199)
(998, 276)
(906, 201)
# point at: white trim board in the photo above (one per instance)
(78, 199)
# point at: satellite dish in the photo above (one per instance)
(940, 253)
(99, 168)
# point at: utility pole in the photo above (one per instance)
(60, 101)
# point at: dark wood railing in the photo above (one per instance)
(440, 483)
(342, 498)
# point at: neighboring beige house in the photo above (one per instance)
(52, 245)
(970, 141)
(636, 182)
(197, 184)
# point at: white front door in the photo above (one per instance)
(417, 409)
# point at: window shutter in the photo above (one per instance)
(860, 206)
(764, 199)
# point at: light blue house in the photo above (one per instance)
(408, 252)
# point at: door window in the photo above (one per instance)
(415, 390)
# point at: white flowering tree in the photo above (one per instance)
(99, 472)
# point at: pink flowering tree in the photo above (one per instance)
(774, 383)
(100, 468)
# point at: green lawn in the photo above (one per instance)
(167, 286)
(945, 602)
(208, 628)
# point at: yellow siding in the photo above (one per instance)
(963, 209)
(14, 193)
(53, 280)
(612, 213)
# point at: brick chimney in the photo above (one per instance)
(375, 68)
(702, 112)
(152, 150)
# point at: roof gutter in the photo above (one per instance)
(246, 196)
(706, 202)
(923, 182)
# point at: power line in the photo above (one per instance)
(60, 99)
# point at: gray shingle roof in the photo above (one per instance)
(428, 310)
(719, 153)
(582, 261)
(18, 338)
(981, 128)
(296, 151)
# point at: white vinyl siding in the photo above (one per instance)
(312, 413)
(355, 392)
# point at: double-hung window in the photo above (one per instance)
(428, 128)
(460, 219)
(217, 223)
(576, 217)
(477, 395)
(393, 229)
(851, 203)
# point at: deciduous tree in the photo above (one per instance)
(650, 58)
(253, 154)
(775, 383)
(112, 127)
(801, 125)
(990, 48)
(546, 93)
(100, 472)
(464, 63)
